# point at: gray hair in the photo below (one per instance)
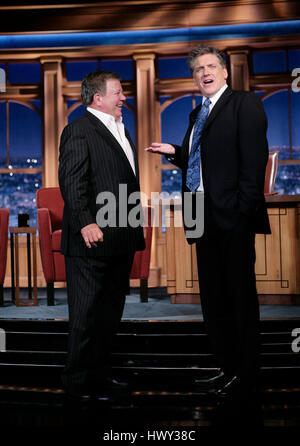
(200, 50)
(95, 82)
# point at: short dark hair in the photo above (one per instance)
(200, 50)
(95, 82)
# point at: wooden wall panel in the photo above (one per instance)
(281, 252)
(277, 265)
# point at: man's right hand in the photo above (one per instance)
(161, 148)
(91, 235)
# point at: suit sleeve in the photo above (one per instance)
(74, 176)
(253, 153)
(176, 158)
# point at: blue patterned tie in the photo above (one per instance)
(193, 171)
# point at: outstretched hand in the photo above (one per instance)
(161, 148)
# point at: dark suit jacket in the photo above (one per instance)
(92, 161)
(234, 154)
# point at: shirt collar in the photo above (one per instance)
(104, 117)
(216, 96)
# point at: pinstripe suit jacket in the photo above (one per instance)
(91, 162)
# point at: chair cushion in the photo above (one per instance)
(50, 198)
(56, 239)
(59, 267)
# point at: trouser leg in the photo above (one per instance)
(239, 256)
(229, 299)
(96, 297)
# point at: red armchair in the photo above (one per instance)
(49, 217)
(271, 171)
(141, 262)
(4, 219)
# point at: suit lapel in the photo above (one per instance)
(135, 156)
(215, 111)
(218, 107)
(186, 141)
(112, 141)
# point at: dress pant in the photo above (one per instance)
(229, 299)
(96, 288)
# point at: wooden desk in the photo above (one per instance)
(14, 246)
(277, 255)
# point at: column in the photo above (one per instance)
(239, 70)
(147, 132)
(150, 177)
(53, 114)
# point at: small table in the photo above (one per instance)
(14, 247)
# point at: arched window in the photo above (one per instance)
(20, 157)
(174, 123)
(284, 136)
(282, 105)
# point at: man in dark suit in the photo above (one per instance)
(97, 161)
(223, 156)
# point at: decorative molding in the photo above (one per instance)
(22, 92)
(142, 15)
(170, 49)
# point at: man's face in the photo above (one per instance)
(113, 100)
(209, 75)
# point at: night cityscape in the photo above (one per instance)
(18, 190)
(287, 178)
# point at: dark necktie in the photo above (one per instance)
(193, 171)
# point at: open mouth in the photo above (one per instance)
(208, 81)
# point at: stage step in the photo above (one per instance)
(135, 341)
(186, 360)
(164, 363)
(141, 326)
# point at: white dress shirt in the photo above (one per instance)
(117, 129)
(213, 100)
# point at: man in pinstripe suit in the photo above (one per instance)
(96, 157)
